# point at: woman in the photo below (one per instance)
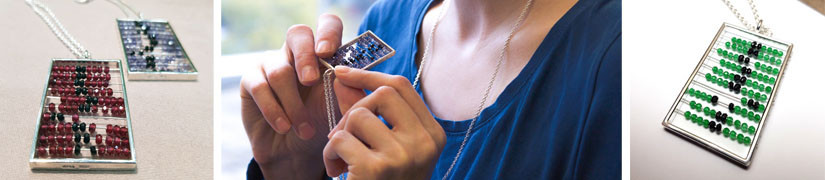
(546, 72)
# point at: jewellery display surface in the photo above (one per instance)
(153, 51)
(725, 102)
(84, 121)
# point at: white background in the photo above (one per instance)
(663, 41)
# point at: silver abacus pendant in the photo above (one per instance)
(153, 51)
(741, 70)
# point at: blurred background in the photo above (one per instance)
(250, 30)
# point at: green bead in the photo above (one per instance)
(713, 111)
(692, 104)
(727, 44)
(730, 121)
(750, 93)
(744, 126)
(687, 114)
(726, 132)
(761, 107)
(750, 115)
(736, 124)
(772, 80)
(694, 118)
(775, 71)
(780, 54)
(757, 94)
(760, 56)
(775, 52)
(706, 110)
(749, 83)
(751, 130)
(744, 100)
(715, 70)
(740, 138)
(769, 50)
(747, 140)
(756, 117)
(698, 106)
(764, 97)
(733, 135)
(737, 109)
(705, 123)
(733, 39)
(778, 62)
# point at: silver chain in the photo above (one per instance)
(123, 7)
(328, 97)
(57, 28)
(489, 85)
(758, 27)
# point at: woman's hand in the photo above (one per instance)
(364, 146)
(282, 103)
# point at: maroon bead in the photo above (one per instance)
(44, 139)
(118, 151)
(53, 150)
(109, 140)
(104, 110)
(92, 128)
(99, 139)
(124, 142)
(44, 128)
(94, 108)
(116, 130)
(117, 141)
(124, 131)
(52, 90)
(109, 92)
(41, 151)
(101, 150)
(109, 129)
(75, 118)
(110, 151)
(51, 107)
(127, 152)
(69, 151)
(51, 127)
(47, 116)
(106, 70)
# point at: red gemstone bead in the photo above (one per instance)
(53, 150)
(126, 152)
(124, 131)
(104, 110)
(117, 141)
(44, 128)
(44, 139)
(110, 150)
(99, 139)
(109, 129)
(41, 151)
(116, 130)
(75, 118)
(51, 107)
(92, 128)
(102, 150)
(106, 70)
(109, 140)
(47, 116)
(118, 152)
(109, 92)
(52, 127)
(94, 108)
(69, 151)
(124, 142)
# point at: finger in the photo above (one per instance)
(386, 102)
(364, 125)
(343, 146)
(330, 28)
(282, 79)
(370, 80)
(255, 87)
(300, 44)
(347, 96)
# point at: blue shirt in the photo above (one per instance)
(560, 118)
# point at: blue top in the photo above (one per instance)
(561, 116)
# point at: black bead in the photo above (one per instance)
(737, 88)
(743, 80)
(718, 115)
(759, 46)
(747, 60)
(719, 127)
(715, 98)
(712, 126)
(743, 70)
(736, 78)
(93, 150)
(86, 138)
(60, 116)
(75, 127)
(77, 149)
(730, 85)
(755, 105)
(730, 107)
(724, 118)
(741, 58)
(753, 44)
(52, 116)
(82, 127)
(77, 137)
(750, 103)
(87, 108)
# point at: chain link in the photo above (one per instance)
(57, 28)
(329, 98)
(758, 27)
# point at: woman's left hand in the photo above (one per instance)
(364, 146)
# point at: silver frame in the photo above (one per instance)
(83, 164)
(367, 33)
(744, 161)
(162, 76)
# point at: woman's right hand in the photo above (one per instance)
(282, 103)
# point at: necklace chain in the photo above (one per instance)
(489, 85)
(758, 27)
(57, 28)
(123, 7)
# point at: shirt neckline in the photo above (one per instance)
(509, 92)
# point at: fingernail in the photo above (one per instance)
(305, 131)
(324, 46)
(309, 73)
(281, 125)
(341, 69)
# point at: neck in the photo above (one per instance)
(481, 18)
